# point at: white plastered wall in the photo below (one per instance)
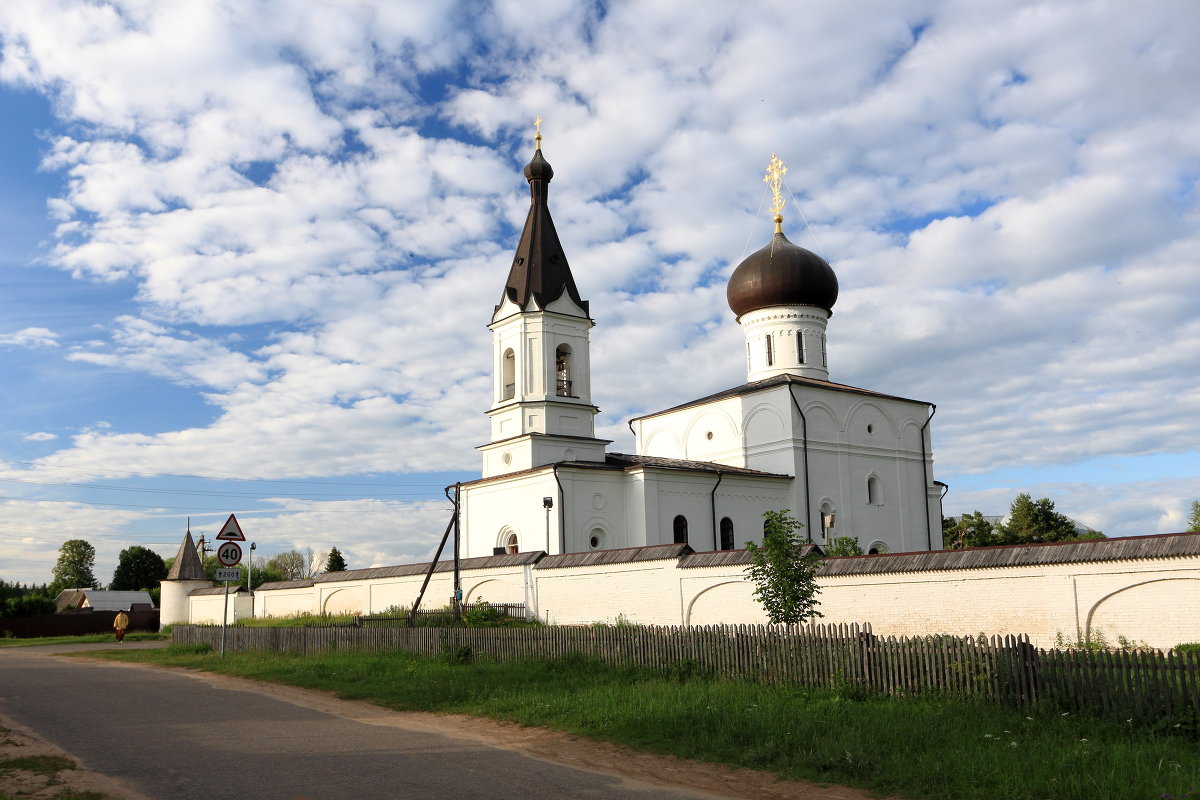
(1152, 601)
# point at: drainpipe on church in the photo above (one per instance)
(804, 433)
(562, 527)
(925, 472)
(713, 501)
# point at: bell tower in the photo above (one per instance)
(542, 411)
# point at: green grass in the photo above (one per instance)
(915, 747)
(42, 765)
(140, 636)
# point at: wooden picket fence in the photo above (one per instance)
(1146, 685)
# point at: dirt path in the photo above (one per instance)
(17, 742)
(548, 745)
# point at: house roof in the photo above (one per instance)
(772, 382)
(101, 599)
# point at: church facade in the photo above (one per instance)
(845, 461)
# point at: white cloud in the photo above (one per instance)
(315, 210)
(30, 337)
(40, 436)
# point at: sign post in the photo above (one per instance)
(229, 553)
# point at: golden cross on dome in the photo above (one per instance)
(537, 126)
(774, 178)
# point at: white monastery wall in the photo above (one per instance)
(208, 608)
(1155, 601)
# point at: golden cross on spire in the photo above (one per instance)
(537, 126)
(774, 178)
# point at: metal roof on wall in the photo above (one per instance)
(625, 555)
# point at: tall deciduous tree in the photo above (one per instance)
(295, 564)
(1030, 521)
(336, 562)
(138, 568)
(844, 546)
(784, 570)
(73, 570)
(969, 530)
(1194, 519)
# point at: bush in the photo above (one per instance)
(484, 615)
(29, 605)
(1187, 647)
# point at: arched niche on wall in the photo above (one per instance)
(764, 425)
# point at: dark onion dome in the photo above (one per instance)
(782, 274)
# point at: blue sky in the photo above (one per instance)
(248, 250)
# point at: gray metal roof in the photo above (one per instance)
(1169, 545)
(726, 558)
(444, 565)
(625, 555)
(216, 590)
(626, 461)
(269, 585)
(773, 381)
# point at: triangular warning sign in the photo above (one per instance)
(231, 531)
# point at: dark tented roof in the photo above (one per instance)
(539, 269)
(187, 566)
(772, 382)
(625, 555)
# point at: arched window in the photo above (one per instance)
(508, 378)
(596, 539)
(770, 351)
(799, 347)
(680, 527)
(874, 491)
(877, 548)
(726, 534)
(562, 371)
(510, 544)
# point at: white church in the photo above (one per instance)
(845, 461)
(577, 534)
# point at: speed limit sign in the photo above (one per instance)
(229, 554)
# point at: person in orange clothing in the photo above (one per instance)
(120, 624)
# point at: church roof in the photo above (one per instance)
(772, 382)
(627, 462)
(781, 274)
(539, 270)
(615, 462)
(187, 566)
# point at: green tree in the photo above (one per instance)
(336, 562)
(783, 570)
(295, 565)
(73, 570)
(1194, 519)
(844, 546)
(969, 530)
(27, 605)
(138, 568)
(1031, 521)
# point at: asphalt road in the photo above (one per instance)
(174, 736)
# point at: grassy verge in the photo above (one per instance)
(915, 747)
(90, 638)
